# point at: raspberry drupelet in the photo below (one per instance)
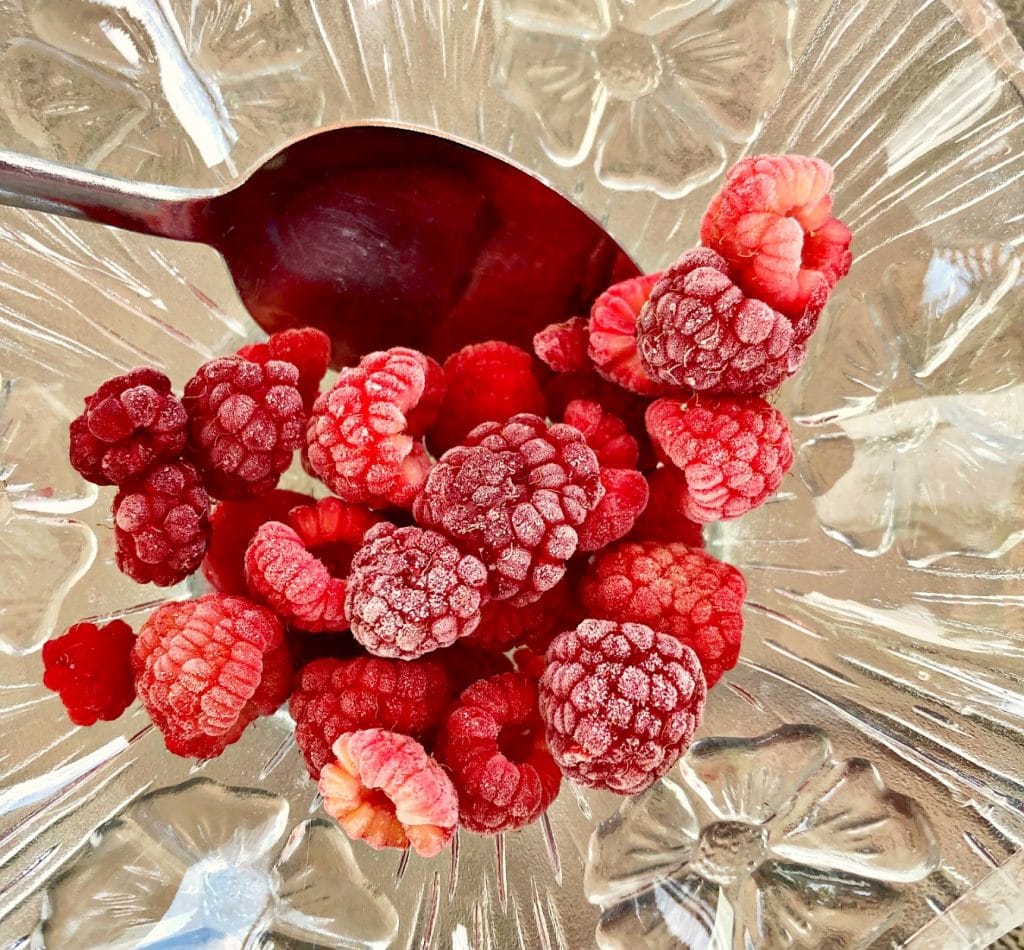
(624, 500)
(130, 424)
(514, 496)
(604, 432)
(306, 348)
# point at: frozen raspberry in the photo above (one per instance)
(359, 441)
(503, 625)
(90, 668)
(493, 746)
(245, 422)
(333, 696)
(411, 591)
(161, 525)
(772, 221)
(306, 348)
(605, 433)
(620, 703)
(465, 663)
(613, 335)
(385, 790)
(663, 518)
(130, 423)
(199, 665)
(514, 496)
(487, 382)
(673, 589)
(698, 331)
(563, 346)
(625, 497)
(232, 525)
(733, 451)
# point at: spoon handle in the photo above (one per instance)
(40, 185)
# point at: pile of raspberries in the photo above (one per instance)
(506, 584)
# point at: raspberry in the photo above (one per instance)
(613, 335)
(772, 221)
(625, 497)
(487, 382)
(503, 626)
(199, 665)
(663, 518)
(384, 789)
(90, 668)
(563, 346)
(698, 331)
(676, 590)
(732, 451)
(605, 433)
(245, 422)
(620, 703)
(358, 439)
(412, 591)
(493, 746)
(130, 423)
(514, 496)
(232, 525)
(465, 663)
(161, 525)
(530, 663)
(334, 696)
(306, 348)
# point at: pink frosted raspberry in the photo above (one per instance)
(514, 496)
(412, 591)
(620, 703)
(384, 789)
(733, 452)
(563, 346)
(663, 518)
(605, 433)
(676, 590)
(360, 440)
(625, 497)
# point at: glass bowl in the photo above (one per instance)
(859, 777)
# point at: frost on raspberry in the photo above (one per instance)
(412, 591)
(360, 441)
(563, 346)
(89, 667)
(206, 668)
(772, 221)
(333, 696)
(514, 496)
(246, 420)
(130, 423)
(486, 382)
(732, 452)
(384, 789)
(493, 746)
(664, 519)
(306, 348)
(620, 703)
(673, 589)
(161, 525)
(624, 500)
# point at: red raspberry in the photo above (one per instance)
(199, 667)
(245, 422)
(620, 703)
(385, 790)
(625, 497)
(493, 746)
(412, 591)
(503, 626)
(161, 525)
(487, 382)
(359, 440)
(333, 696)
(465, 662)
(232, 525)
(130, 423)
(563, 346)
(733, 451)
(772, 221)
(674, 589)
(530, 663)
(306, 348)
(698, 331)
(613, 335)
(663, 518)
(90, 668)
(605, 433)
(514, 496)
